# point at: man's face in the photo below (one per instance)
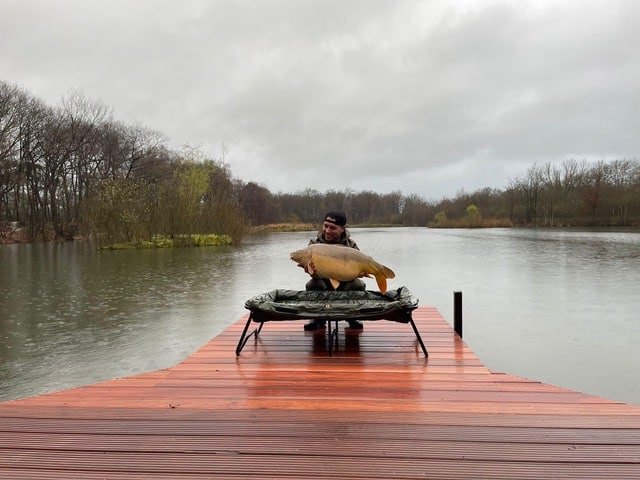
(332, 232)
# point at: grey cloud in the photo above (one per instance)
(422, 97)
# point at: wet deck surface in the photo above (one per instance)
(377, 408)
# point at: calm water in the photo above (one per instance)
(558, 306)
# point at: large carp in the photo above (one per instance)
(339, 263)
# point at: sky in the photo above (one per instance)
(430, 98)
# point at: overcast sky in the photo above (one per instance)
(422, 97)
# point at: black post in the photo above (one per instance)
(457, 313)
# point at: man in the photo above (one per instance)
(334, 230)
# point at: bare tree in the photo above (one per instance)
(257, 204)
(620, 174)
(12, 101)
(529, 188)
(595, 182)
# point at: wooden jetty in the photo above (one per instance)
(376, 409)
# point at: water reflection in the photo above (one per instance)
(559, 306)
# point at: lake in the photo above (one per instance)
(560, 306)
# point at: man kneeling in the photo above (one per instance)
(334, 231)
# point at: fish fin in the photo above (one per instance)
(388, 272)
(311, 268)
(334, 283)
(381, 280)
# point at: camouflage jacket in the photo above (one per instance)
(345, 239)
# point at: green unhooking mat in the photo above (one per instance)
(394, 305)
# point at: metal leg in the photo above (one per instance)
(415, 330)
(244, 338)
(332, 333)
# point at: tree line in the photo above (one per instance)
(73, 171)
(572, 193)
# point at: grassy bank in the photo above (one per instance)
(197, 240)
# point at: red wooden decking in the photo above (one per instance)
(285, 409)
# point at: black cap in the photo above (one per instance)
(336, 217)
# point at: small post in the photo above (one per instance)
(457, 313)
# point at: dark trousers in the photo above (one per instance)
(324, 284)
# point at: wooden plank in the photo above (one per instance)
(323, 465)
